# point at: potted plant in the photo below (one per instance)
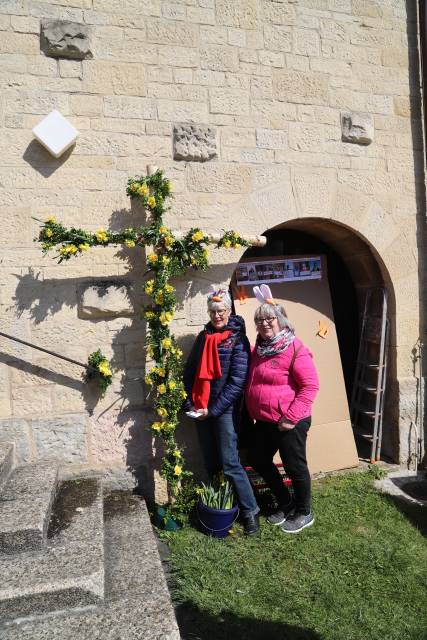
(216, 508)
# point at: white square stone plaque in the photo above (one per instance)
(55, 133)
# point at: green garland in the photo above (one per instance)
(170, 257)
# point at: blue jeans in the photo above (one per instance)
(218, 441)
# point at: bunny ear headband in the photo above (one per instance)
(263, 294)
(216, 294)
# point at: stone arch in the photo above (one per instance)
(355, 215)
(353, 268)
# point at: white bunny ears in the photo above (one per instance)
(263, 294)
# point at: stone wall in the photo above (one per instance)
(260, 111)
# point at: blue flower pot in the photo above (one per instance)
(216, 522)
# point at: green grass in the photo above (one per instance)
(358, 574)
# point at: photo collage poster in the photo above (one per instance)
(287, 270)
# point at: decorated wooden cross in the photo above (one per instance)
(171, 254)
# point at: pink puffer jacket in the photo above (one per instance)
(271, 393)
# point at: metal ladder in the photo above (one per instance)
(367, 399)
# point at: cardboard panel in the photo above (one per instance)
(308, 306)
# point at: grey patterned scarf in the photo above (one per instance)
(277, 344)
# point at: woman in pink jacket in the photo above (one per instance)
(282, 385)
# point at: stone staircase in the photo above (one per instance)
(76, 563)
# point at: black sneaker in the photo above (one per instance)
(297, 522)
(251, 524)
(278, 517)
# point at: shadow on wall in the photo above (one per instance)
(416, 81)
(124, 424)
(195, 624)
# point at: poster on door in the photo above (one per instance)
(279, 271)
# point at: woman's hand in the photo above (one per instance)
(285, 425)
(203, 414)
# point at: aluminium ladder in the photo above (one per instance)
(367, 399)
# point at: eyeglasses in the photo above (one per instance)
(220, 312)
(269, 321)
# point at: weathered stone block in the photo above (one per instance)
(357, 128)
(194, 143)
(220, 178)
(271, 139)
(18, 432)
(62, 437)
(304, 88)
(239, 13)
(219, 58)
(65, 39)
(105, 299)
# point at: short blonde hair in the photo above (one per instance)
(268, 310)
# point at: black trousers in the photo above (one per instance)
(266, 440)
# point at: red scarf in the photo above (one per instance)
(209, 369)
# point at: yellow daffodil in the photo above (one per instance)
(104, 368)
(84, 246)
(129, 243)
(160, 371)
(237, 245)
(163, 229)
(159, 297)
(172, 385)
(48, 233)
(150, 351)
(72, 249)
(161, 388)
(165, 317)
(177, 470)
(165, 260)
(156, 426)
(151, 202)
(197, 236)
(177, 453)
(149, 315)
(148, 287)
(50, 220)
(63, 250)
(168, 240)
(101, 235)
(227, 244)
(152, 258)
(134, 187)
(162, 412)
(148, 380)
(166, 343)
(143, 190)
(169, 288)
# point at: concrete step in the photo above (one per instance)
(137, 601)
(69, 572)
(7, 457)
(25, 504)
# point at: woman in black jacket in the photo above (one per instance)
(214, 378)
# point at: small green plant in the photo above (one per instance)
(217, 495)
(377, 472)
(99, 368)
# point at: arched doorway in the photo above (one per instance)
(353, 267)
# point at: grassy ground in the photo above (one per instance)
(359, 573)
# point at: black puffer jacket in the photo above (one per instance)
(234, 358)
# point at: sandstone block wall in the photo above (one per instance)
(270, 81)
